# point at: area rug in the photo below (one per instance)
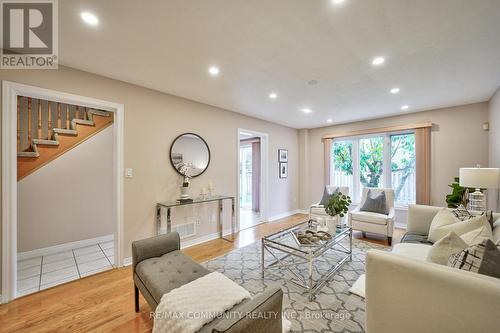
(335, 309)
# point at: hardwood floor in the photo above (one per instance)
(105, 302)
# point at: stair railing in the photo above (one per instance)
(36, 119)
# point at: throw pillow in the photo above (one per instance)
(478, 235)
(444, 248)
(445, 221)
(326, 195)
(462, 213)
(375, 202)
(482, 258)
(489, 216)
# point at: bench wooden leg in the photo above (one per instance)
(136, 298)
(389, 240)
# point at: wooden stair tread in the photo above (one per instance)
(46, 142)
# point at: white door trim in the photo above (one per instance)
(10, 91)
(264, 170)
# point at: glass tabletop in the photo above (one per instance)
(290, 237)
(195, 201)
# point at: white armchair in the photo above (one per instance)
(374, 222)
(317, 210)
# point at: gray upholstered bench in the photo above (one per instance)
(159, 267)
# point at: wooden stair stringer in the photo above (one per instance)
(63, 140)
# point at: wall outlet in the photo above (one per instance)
(129, 173)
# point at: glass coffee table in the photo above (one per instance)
(296, 263)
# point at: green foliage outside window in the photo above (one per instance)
(371, 158)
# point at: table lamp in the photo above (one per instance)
(479, 178)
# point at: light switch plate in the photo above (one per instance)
(129, 173)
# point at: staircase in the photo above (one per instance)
(47, 129)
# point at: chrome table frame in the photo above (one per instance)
(219, 198)
(272, 245)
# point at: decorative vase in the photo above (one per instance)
(184, 193)
(322, 224)
(332, 222)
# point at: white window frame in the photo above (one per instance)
(387, 170)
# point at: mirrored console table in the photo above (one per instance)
(218, 198)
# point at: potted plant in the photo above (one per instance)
(337, 207)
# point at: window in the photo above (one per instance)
(342, 173)
(403, 167)
(371, 162)
(383, 160)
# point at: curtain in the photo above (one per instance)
(423, 165)
(256, 175)
(327, 145)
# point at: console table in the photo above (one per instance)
(219, 198)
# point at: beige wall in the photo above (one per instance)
(69, 199)
(152, 121)
(494, 113)
(457, 140)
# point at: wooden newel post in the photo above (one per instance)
(49, 118)
(18, 123)
(30, 122)
(39, 132)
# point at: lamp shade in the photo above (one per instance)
(479, 177)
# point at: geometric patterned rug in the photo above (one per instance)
(333, 310)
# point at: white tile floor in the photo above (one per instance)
(40, 273)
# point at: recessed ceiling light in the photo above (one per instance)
(329, 120)
(405, 107)
(395, 90)
(273, 95)
(214, 71)
(337, 2)
(378, 61)
(89, 18)
(306, 110)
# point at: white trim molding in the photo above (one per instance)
(264, 174)
(127, 261)
(10, 91)
(287, 214)
(199, 240)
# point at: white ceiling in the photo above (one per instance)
(439, 52)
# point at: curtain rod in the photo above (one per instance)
(377, 130)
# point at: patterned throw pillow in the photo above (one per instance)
(462, 213)
(482, 258)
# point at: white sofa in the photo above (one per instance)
(405, 293)
(374, 222)
(317, 210)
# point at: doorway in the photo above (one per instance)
(251, 178)
(10, 143)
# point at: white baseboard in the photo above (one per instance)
(63, 247)
(184, 244)
(199, 240)
(127, 261)
(287, 214)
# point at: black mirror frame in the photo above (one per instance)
(172, 146)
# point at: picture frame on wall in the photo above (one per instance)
(283, 170)
(282, 155)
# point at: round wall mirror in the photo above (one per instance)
(190, 155)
